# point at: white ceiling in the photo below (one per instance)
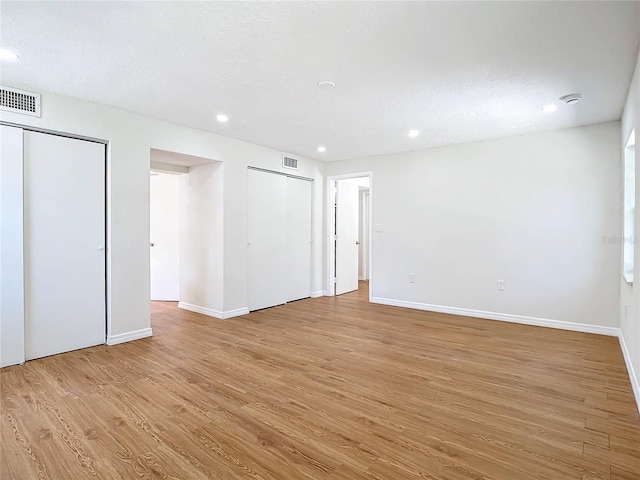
(180, 159)
(457, 71)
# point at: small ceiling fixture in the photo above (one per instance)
(414, 133)
(549, 108)
(322, 149)
(572, 98)
(8, 55)
(222, 118)
(327, 84)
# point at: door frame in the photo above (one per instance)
(331, 230)
(365, 201)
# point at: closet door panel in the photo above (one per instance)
(298, 239)
(267, 240)
(64, 244)
(11, 247)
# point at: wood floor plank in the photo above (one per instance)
(325, 389)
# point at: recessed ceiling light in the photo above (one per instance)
(549, 108)
(414, 133)
(8, 55)
(322, 149)
(222, 118)
(571, 98)
(326, 84)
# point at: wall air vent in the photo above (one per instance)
(289, 162)
(19, 101)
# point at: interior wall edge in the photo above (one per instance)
(633, 378)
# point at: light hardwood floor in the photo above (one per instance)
(327, 388)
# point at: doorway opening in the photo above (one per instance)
(169, 219)
(349, 249)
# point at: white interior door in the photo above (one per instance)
(298, 239)
(267, 240)
(164, 237)
(346, 237)
(64, 244)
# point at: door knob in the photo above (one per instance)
(151, 244)
(100, 247)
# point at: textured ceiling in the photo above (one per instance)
(457, 71)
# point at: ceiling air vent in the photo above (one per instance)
(288, 162)
(19, 101)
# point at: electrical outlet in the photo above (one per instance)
(379, 227)
(412, 278)
(500, 285)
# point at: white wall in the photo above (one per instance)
(201, 237)
(130, 139)
(630, 293)
(535, 211)
(359, 181)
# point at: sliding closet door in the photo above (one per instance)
(64, 244)
(298, 239)
(11, 247)
(267, 240)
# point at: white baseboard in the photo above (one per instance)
(213, 313)
(198, 309)
(318, 293)
(235, 313)
(129, 336)
(504, 317)
(635, 381)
